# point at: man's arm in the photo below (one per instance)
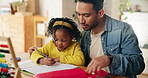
(130, 61)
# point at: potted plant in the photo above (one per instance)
(19, 6)
(125, 5)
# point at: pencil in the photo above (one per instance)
(42, 53)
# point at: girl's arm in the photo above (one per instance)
(76, 56)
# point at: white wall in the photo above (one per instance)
(56, 8)
(138, 20)
(68, 8)
(143, 4)
(50, 8)
(8, 0)
(112, 8)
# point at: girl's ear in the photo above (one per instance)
(101, 13)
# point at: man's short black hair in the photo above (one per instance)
(97, 4)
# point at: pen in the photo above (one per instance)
(42, 54)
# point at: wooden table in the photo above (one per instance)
(112, 76)
(24, 56)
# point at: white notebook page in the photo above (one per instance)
(36, 69)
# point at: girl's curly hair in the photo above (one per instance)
(75, 32)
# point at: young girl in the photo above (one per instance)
(64, 47)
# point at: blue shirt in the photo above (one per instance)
(120, 41)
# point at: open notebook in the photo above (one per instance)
(29, 66)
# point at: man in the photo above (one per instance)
(108, 43)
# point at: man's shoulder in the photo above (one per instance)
(116, 24)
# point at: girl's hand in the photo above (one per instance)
(46, 61)
(57, 59)
(31, 49)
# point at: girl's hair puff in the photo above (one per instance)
(75, 32)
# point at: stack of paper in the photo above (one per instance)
(37, 69)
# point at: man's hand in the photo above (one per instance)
(31, 49)
(97, 63)
(46, 61)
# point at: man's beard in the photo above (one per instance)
(93, 26)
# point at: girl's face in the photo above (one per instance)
(62, 39)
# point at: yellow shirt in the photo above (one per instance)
(71, 55)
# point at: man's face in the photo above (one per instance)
(87, 16)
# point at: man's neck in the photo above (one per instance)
(100, 27)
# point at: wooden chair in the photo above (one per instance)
(11, 50)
